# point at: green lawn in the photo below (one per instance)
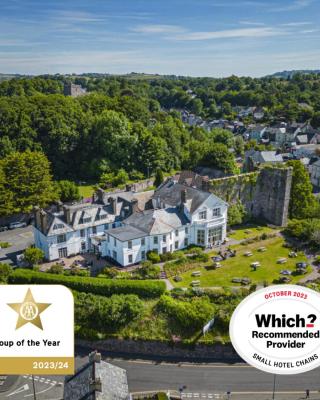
(239, 266)
(249, 231)
(86, 190)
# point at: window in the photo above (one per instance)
(61, 238)
(201, 237)
(215, 234)
(186, 230)
(164, 238)
(143, 242)
(130, 259)
(83, 246)
(85, 220)
(114, 255)
(115, 241)
(176, 245)
(203, 215)
(130, 244)
(164, 250)
(103, 216)
(216, 212)
(177, 233)
(108, 238)
(82, 233)
(114, 225)
(155, 240)
(63, 252)
(94, 229)
(186, 242)
(106, 226)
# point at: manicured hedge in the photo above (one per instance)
(104, 287)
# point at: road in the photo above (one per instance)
(20, 238)
(201, 381)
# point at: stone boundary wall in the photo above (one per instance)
(152, 349)
(264, 193)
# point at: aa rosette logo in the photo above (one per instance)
(37, 330)
(277, 329)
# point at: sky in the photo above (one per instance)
(183, 37)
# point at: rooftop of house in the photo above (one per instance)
(170, 195)
(97, 380)
(264, 156)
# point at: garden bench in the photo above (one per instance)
(282, 260)
(255, 264)
(196, 273)
(195, 283)
(248, 254)
(262, 249)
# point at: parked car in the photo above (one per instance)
(15, 225)
(3, 228)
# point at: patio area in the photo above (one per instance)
(86, 261)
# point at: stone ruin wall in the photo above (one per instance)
(264, 193)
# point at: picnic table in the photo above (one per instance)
(248, 253)
(196, 273)
(195, 283)
(293, 254)
(255, 264)
(262, 249)
(282, 260)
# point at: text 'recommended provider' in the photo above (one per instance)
(277, 329)
(37, 330)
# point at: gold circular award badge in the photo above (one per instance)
(277, 329)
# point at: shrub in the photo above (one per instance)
(106, 314)
(101, 286)
(4, 245)
(148, 271)
(190, 315)
(5, 271)
(153, 257)
(110, 272)
(55, 269)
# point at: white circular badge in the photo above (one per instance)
(277, 329)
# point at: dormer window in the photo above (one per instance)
(85, 220)
(203, 215)
(57, 226)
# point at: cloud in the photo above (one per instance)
(231, 34)
(252, 23)
(158, 29)
(294, 6)
(294, 24)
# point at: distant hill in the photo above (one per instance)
(5, 77)
(289, 74)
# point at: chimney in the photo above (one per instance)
(43, 220)
(59, 205)
(67, 214)
(135, 205)
(98, 196)
(113, 203)
(205, 185)
(37, 219)
(183, 196)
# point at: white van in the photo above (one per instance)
(15, 225)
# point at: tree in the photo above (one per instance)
(302, 201)
(315, 122)
(27, 177)
(33, 255)
(159, 178)
(68, 191)
(236, 213)
(218, 156)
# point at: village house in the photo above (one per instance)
(255, 158)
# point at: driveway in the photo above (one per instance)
(20, 239)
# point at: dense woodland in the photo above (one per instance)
(133, 123)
